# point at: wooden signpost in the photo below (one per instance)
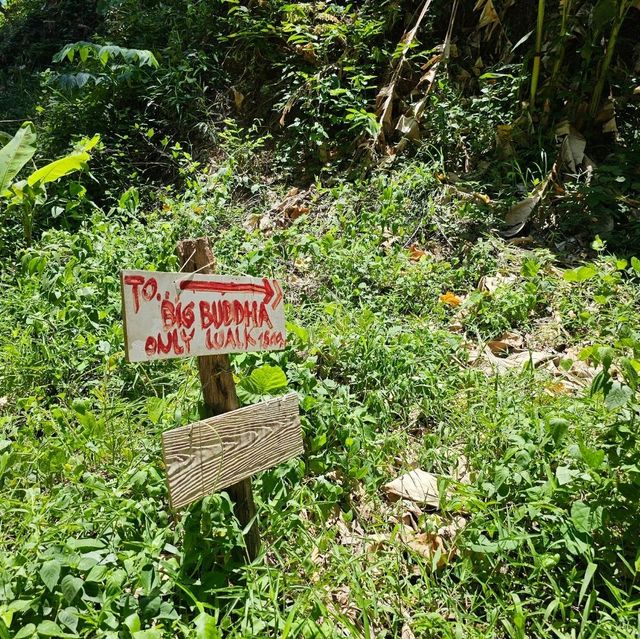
(193, 312)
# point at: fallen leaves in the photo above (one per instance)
(295, 204)
(506, 343)
(451, 192)
(572, 149)
(491, 283)
(450, 299)
(485, 360)
(416, 253)
(388, 95)
(489, 16)
(417, 486)
(431, 547)
(519, 214)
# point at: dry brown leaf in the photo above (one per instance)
(518, 360)
(579, 374)
(451, 192)
(557, 388)
(416, 253)
(3, 401)
(406, 632)
(526, 240)
(266, 223)
(430, 546)
(294, 212)
(409, 127)
(572, 149)
(339, 602)
(376, 542)
(386, 95)
(252, 222)
(504, 145)
(238, 98)
(506, 343)
(486, 361)
(451, 530)
(417, 486)
(450, 299)
(307, 52)
(489, 15)
(606, 113)
(461, 473)
(519, 214)
(491, 283)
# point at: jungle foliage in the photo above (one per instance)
(450, 192)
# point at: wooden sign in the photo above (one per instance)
(214, 453)
(183, 314)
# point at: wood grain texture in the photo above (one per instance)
(219, 393)
(220, 451)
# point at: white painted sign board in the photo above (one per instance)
(170, 315)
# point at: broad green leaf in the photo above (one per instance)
(26, 632)
(6, 616)
(49, 628)
(593, 457)
(152, 633)
(581, 516)
(16, 154)
(69, 618)
(155, 407)
(618, 396)
(70, 587)
(86, 544)
(565, 475)
(87, 144)
(631, 371)
(580, 274)
(133, 622)
(558, 428)
(206, 627)
(59, 168)
(603, 13)
(635, 264)
(50, 573)
(267, 379)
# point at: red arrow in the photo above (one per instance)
(278, 297)
(233, 287)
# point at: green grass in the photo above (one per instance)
(89, 547)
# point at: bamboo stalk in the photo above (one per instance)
(596, 97)
(535, 76)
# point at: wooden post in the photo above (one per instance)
(219, 392)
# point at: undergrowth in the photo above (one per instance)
(383, 372)
(418, 336)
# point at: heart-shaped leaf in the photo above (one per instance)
(50, 573)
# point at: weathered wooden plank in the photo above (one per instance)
(214, 453)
